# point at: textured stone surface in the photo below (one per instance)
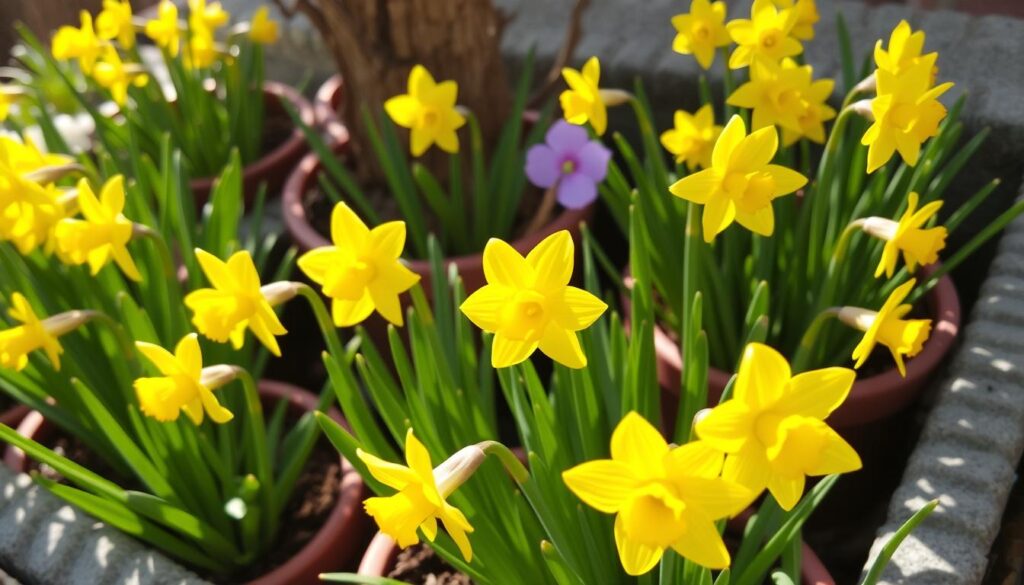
(44, 540)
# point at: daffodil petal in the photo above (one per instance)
(603, 484)
(347, 230)
(702, 543)
(484, 306)
(817, 393)
(390, 474)
(563, 346)
(763, 374)
(787, 491)
(507, 352)
(635, 442)
(552, 261)
(504, 265)
(637, 558)
(697, 188)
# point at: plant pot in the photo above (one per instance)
(13, 416)
(470, 266)
(326, 105)
(273, 167)
(379, 559)
(872, 399)
(335, 544)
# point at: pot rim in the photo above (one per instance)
(345, 517)
(291, 148)
(383, 551)
(307, 238)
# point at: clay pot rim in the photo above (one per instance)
(291, 148)
(344, 517)
(944, 308)
(383, 550)
(307, 238)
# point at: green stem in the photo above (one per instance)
(807, 342)
(143, 231)
(512, 464)
(256, 432)
(123, 340)
(323, 319)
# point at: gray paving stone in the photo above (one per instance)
(44, 540)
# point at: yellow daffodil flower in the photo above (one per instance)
(693, 137)
(29, 212)
(114, 75)
(429, 111)
(903, 337)
(772, 429)
(420, 501)
(741, 183)
(701, 32)
(102, 234)
(201, 49)
(767, 34)
(528, 304)
(17, 342)
(182, 386)
(784, 94)
(78, 43)
(919, 245)
(906, 113)
(904, 51)
(806, 17)
(165, 29)
(262, 29)
(26, 157)
(361, 271)
(115, 22)
(585, 101)
(206, 17)
(662, 497)
(235, 303)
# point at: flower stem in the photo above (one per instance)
(547, 205)
(808, 341)
(144, 231)
(257, 443)
(512, 464)
(323, 319)
(125, 342)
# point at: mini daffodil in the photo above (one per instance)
(420, 501)
(701, 31)
(807, 17)
(24, 157)
(80, 43)
(784, 94)
(102, 234)
(32, 334)
(528, 304)
(184, 386)
(429, 111)
(201, 49)
(905, 50)
(919, 245)
(741, 183)
(29, 211)
(361, 271)
(262, 29)
(585, 101)
(207, 17)
(235, 303)
(116, 76)
(903, 337)
(115, 22)
(663, 497)
(772, 429)
(767, 34)
(164, 29)
(906, 113)
(693, 137)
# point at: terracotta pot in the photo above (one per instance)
(273, 167)
(379, 559)
(326, 105)
(872, 399)
(334, 546)
(13, 416)
(470, 266)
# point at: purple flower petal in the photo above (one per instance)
(565, 138)
(543, 167)
(576, 191)
(593, 160)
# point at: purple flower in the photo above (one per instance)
(571, 161)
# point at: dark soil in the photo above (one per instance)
(74, 449)
(420, 565)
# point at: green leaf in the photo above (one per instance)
(894, 542)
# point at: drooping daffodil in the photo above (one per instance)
(262, 29)
(422, 495)
(528, 303)
(164, 29)
(585, 101)
(80, 43)
(237, 302)
(361, 271)
(772, 429)
(184, 384)
(741, 182)
(102, 233)
(32, 333)
(663, 497)
(429, 111)
(919, 245)
(701, 32)
(903, 337)
(115, 22)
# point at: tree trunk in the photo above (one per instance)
(375, 44)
